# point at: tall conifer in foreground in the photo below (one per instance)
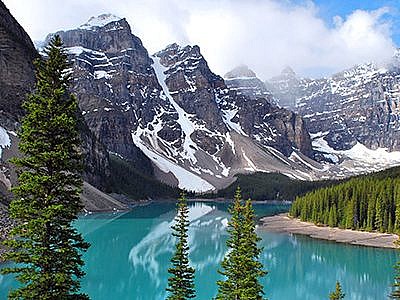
(241, 266)
(44, 246)
(338, 293)
(180, 284)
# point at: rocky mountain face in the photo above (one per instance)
(115, 84)
(261, 118)
(171, 116)
(17, 79)
(285, 87)
(359, 105)
(245, 82)
(17, 53)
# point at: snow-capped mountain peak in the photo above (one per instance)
(241, 71)
(100, 21)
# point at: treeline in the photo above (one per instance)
(126, 180)
(270, 186)
(369, 202)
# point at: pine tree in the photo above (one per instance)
(337, 294)
(396, 286)
(44, 245)
(254, 268)
(181, 284)
(241, 266)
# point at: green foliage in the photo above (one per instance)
(126, 180)
(44, 246)
(369, 202)
(337, 294)
(241, 266)
(276, 186)
(396, 286)
(269, 186)
(181, 284)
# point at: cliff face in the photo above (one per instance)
(115, 84)
(17, 53)
(260, 117)
(358, 105)
(169, 113)
(17, 79)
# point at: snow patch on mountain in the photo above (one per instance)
(99, 21)
(360, 153)
(228, 115)
(186, 124)
(357, 160)
(186, 179)
(5, 140)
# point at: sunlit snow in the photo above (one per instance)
(100, 21)
(4, 139)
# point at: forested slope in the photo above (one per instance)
(370, 202)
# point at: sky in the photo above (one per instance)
(314, 37)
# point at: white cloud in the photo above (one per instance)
(267, 35)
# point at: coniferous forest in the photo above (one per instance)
(370, 202)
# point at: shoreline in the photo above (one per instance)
(282, 223)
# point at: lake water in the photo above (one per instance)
(130, 253)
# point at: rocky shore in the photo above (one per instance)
(283, 223)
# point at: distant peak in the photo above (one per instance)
(100, 21)
(240, 71)
(175, 48)
(288, 71)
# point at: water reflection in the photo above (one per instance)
(130, 254)
(207, 224)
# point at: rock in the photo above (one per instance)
(245, 82)
(115, 84)
(17, 79)
(360, 104)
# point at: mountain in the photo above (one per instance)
(358, 105)
(17, 79)
(353, 116)
(245, 82)
(171, 117)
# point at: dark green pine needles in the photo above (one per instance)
(241, 266)
(44, 246)
(396, 286)
(338, 293)
(180, 284)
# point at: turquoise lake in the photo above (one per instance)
(130, 253)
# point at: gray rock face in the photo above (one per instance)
(115, 84)
(357, 105)
(17, 53)
(17, 78)
(171, 114)
(245, 82)
(259, 116)
(286, 87)
(193, 87)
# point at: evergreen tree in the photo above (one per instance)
(369, 202)
(241, 266)
(337, 294)
(44, 245)
(396, 286)
(180, 284)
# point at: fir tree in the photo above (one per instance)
(337, 294)
(241, 266)
(44, 246)
(180, 284)
(396, 286)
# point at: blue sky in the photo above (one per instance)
(328, 9)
